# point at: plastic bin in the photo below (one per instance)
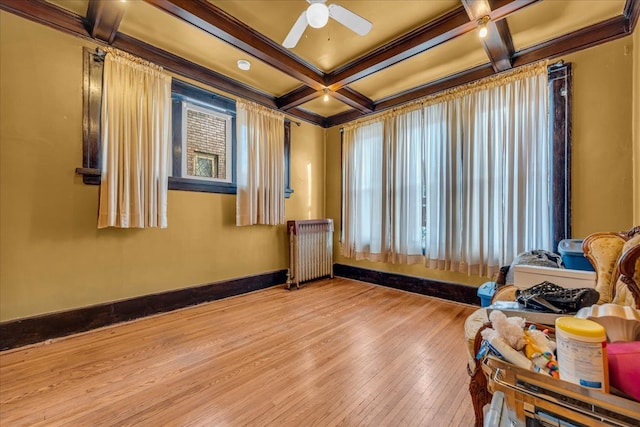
(485, 292)
(525, 276)
(572, 255)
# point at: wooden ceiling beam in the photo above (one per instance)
(103, 19)
(500, 9)
(432, 34)
(46, 13)
(61, 19)
(297, 97)
(631, 12)
(58, 18)
(181, 66)
(305, 94)
(498, 43)
(354, 99)
(213, 20)
(308, 116)
(458, 79)
(344, 117)
(592, 35)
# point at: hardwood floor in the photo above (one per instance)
(335, 353)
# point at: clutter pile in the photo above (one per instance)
(578, 350)
(528, 348)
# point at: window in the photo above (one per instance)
(204, 138)
(205, 165)
(203, 129)
(495, 179)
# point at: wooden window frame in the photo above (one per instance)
(93, 64)
(560, 107)
(183, 92)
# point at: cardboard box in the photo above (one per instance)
(526, 276)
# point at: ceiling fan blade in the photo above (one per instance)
(296, 31)
(349, 19)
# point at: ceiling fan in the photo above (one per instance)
(317, 15)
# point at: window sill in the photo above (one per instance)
(91, 176)
(186, 184)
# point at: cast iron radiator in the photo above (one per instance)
(310, 250)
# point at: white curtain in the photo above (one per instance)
(260, 165)
(404, 137)
(136, 119)
(363, 228)
(488, 172)
(382, 188)
(460, 180)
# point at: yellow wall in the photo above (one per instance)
(601, 163)
(636, 125)
(602, 148)
(52, 256)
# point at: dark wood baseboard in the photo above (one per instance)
(419, 285)
(17, 333)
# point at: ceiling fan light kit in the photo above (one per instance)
(317, 15)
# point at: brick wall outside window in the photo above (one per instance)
(206, 134)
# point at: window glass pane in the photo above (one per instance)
(207, 170)
(205, 166)
(206, 143)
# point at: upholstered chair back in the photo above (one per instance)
(616, 260)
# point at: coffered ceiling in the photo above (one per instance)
(415, 47)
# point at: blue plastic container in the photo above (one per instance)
(485, 292)
(572, 255)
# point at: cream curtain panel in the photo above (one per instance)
(487, 164)
(363, 192)
(460, 181)
(136, 120)
(382, 188)
(260, 165)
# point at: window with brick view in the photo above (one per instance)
(206, 142)
(206, 163)
(203, 140)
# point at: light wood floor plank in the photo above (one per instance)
(335, 353)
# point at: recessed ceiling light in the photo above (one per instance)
(244, 65)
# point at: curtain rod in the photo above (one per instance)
(560, 63)
(286, 119)
(99, 53)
